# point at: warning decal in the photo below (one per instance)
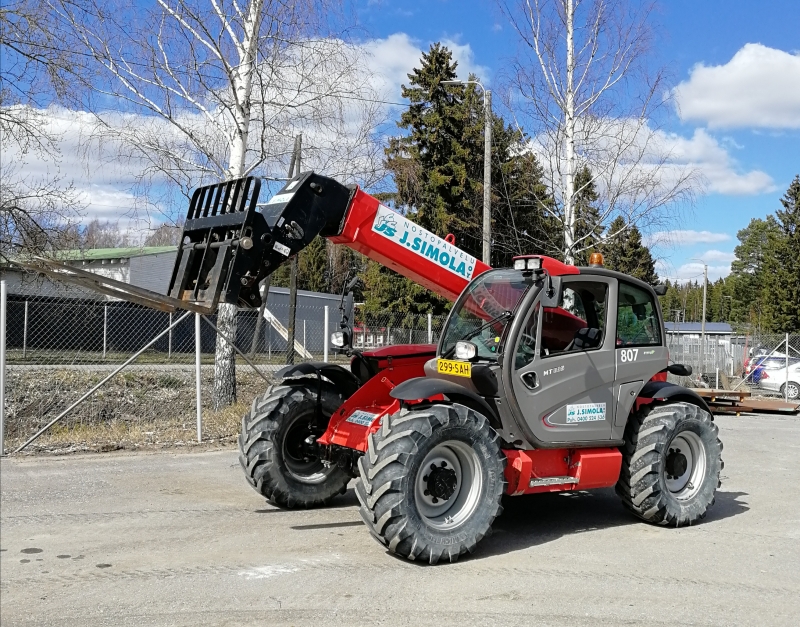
(586, 412)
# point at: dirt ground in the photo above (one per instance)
(171, 538)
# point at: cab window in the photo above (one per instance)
(637, 317)
(579, 321)
(526, 348)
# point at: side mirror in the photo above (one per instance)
(341, 340)
(660, 289)
(679, 370)
(551, 291)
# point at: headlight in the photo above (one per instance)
(337, 338)
(519, 264)
(465, 350)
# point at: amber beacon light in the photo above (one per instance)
(596, 259)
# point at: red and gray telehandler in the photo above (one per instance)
(547, 377)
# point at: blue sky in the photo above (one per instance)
(734, 68)
(721, 52)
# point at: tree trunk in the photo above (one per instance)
(224, 393)
(569, 130)
(242, 81)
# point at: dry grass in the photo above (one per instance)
(136, 409)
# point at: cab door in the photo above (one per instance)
(564, 383)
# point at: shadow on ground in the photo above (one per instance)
(532, 520)
(528, 521)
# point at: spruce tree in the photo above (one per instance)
(588, 228)
(781, 287)
(625, 252)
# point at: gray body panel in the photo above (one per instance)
(571, 397)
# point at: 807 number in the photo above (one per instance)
(628, 354)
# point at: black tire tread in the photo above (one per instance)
(261, 426)
(640, 485)
(383, 478)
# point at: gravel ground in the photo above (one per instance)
(180, 539)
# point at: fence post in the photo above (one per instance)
(325, 335)
(105, 329)
(169, 340)
(430, 328)
(198, 347)
(786, 385)
(305, 346)
(25, 332)
(2, 367)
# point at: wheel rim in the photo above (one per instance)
(685, 465)
(300, 465)
(793, 391)
(448, 485)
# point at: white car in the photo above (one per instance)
(773, 376)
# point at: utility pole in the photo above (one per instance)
(703, 319)
(487, 167)
(290, 331)
(487, 179)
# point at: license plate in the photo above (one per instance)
(456, 368)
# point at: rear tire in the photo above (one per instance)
(794, 391)
(431, 481)
(671, 464)
(270, 445)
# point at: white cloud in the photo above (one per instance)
(758, 88)
(718, 261)
(717, 256)
(681, 237)
(720, 170)
(392, 59)
(691, 271)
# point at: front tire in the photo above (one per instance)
(671, 464)
(431, 481)
(271, 445)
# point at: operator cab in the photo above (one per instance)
(567, 349)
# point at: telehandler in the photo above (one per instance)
(547, 377)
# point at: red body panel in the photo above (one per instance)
(592, 467)
(373, 397)
(426, 269)
(558, 268)
(401, 350)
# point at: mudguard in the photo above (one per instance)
(663, 390)
(343, 379)
(421, 388)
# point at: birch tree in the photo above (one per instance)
(583, 86)
(37, 211)
(205, 90)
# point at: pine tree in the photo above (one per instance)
(747, 278)
(625, 252)
(588, 228)
(781, 285)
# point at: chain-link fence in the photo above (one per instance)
(724, 360)
(62, 340)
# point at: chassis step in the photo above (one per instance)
(537, 481)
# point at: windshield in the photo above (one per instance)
(480, 313)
